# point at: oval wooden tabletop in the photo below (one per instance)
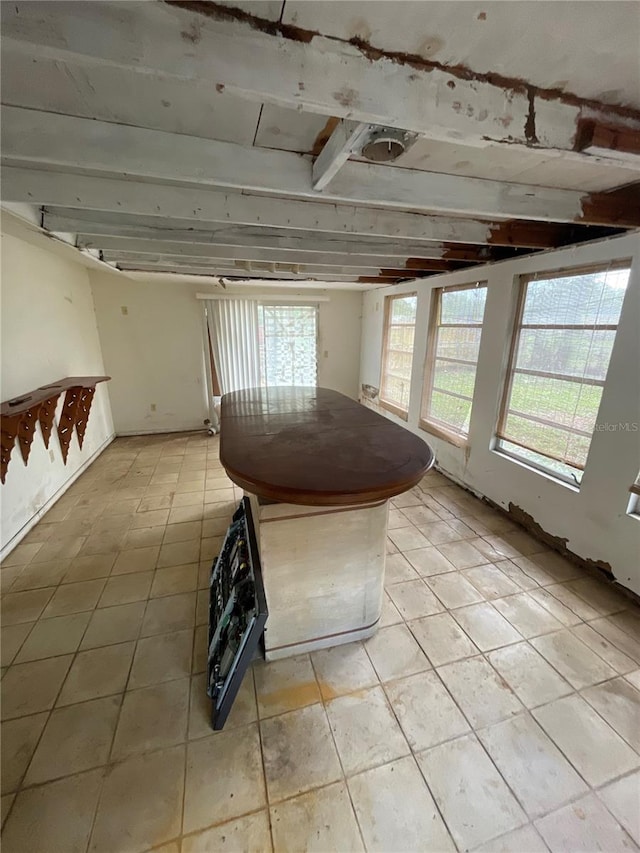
(316, 447)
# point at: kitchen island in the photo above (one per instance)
(319, 470)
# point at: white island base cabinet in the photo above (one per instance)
(323, 573)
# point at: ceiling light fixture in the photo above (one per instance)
(386, 144)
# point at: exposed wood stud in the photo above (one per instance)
(381, 280)
(204, 208)
(237, 273)
(541, 235)
(617, 207)
(327, 75)
(297, 268)
(345, 139)
(90, 234)
(31, 137)
(615, 141)
(130, 245)
(139, 186)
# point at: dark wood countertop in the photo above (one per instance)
(316, 447)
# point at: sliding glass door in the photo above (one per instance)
(288, 342)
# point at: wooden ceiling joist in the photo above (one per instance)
(208, 44)
(237, 273)
(333, 256)
(193, 207)
(608, 140)
(412, 265)
(152, 191)
(35, 139)
(92, 234)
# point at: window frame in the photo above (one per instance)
(633, 505)
(523, 281)
(277, 303)
(435, 427)
(386, 404)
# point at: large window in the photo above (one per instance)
(455, 327)
(565, 328)
(397, 353)
(288, 336)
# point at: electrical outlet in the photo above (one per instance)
(124, 310)
(52, 456)
(153, 407)
(326, 353)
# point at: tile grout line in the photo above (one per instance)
(64, 680)
(262, 763)
(574, 691)
(344, 780)
(414, 754)
(403, 622)
(412, 751)
(382, 684)
(75, 655)
(187, 740)
(44, 728)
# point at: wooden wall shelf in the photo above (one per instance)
(18, 416)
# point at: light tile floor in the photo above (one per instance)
(496, 709)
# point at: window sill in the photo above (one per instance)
(445, 435)
(389, 407)
(541, 472)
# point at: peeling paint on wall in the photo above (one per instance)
(369, 392)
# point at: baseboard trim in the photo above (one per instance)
(133, 432)
(19, 536)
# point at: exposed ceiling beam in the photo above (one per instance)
(207, 208)
(345, 139)
(161, 258)
(273, 255)
(291, 281)
(615, 142)
(299, 284)
(239, 272)
(48, 140)
(90, 233)
(303, 70)
(226, 266)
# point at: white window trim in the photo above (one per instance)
(390, 405)
(426, 423)
(521, 283)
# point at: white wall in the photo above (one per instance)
(155, 351)
(593, 519)
(48, 332)
(340, 322)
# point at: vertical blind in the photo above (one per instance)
(399, 332)
(454, 341)
(564, 336)
(233, 332)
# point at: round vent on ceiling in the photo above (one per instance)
(384, 145)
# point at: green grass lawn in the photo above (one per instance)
(558, 401)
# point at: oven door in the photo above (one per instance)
(237, 613)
